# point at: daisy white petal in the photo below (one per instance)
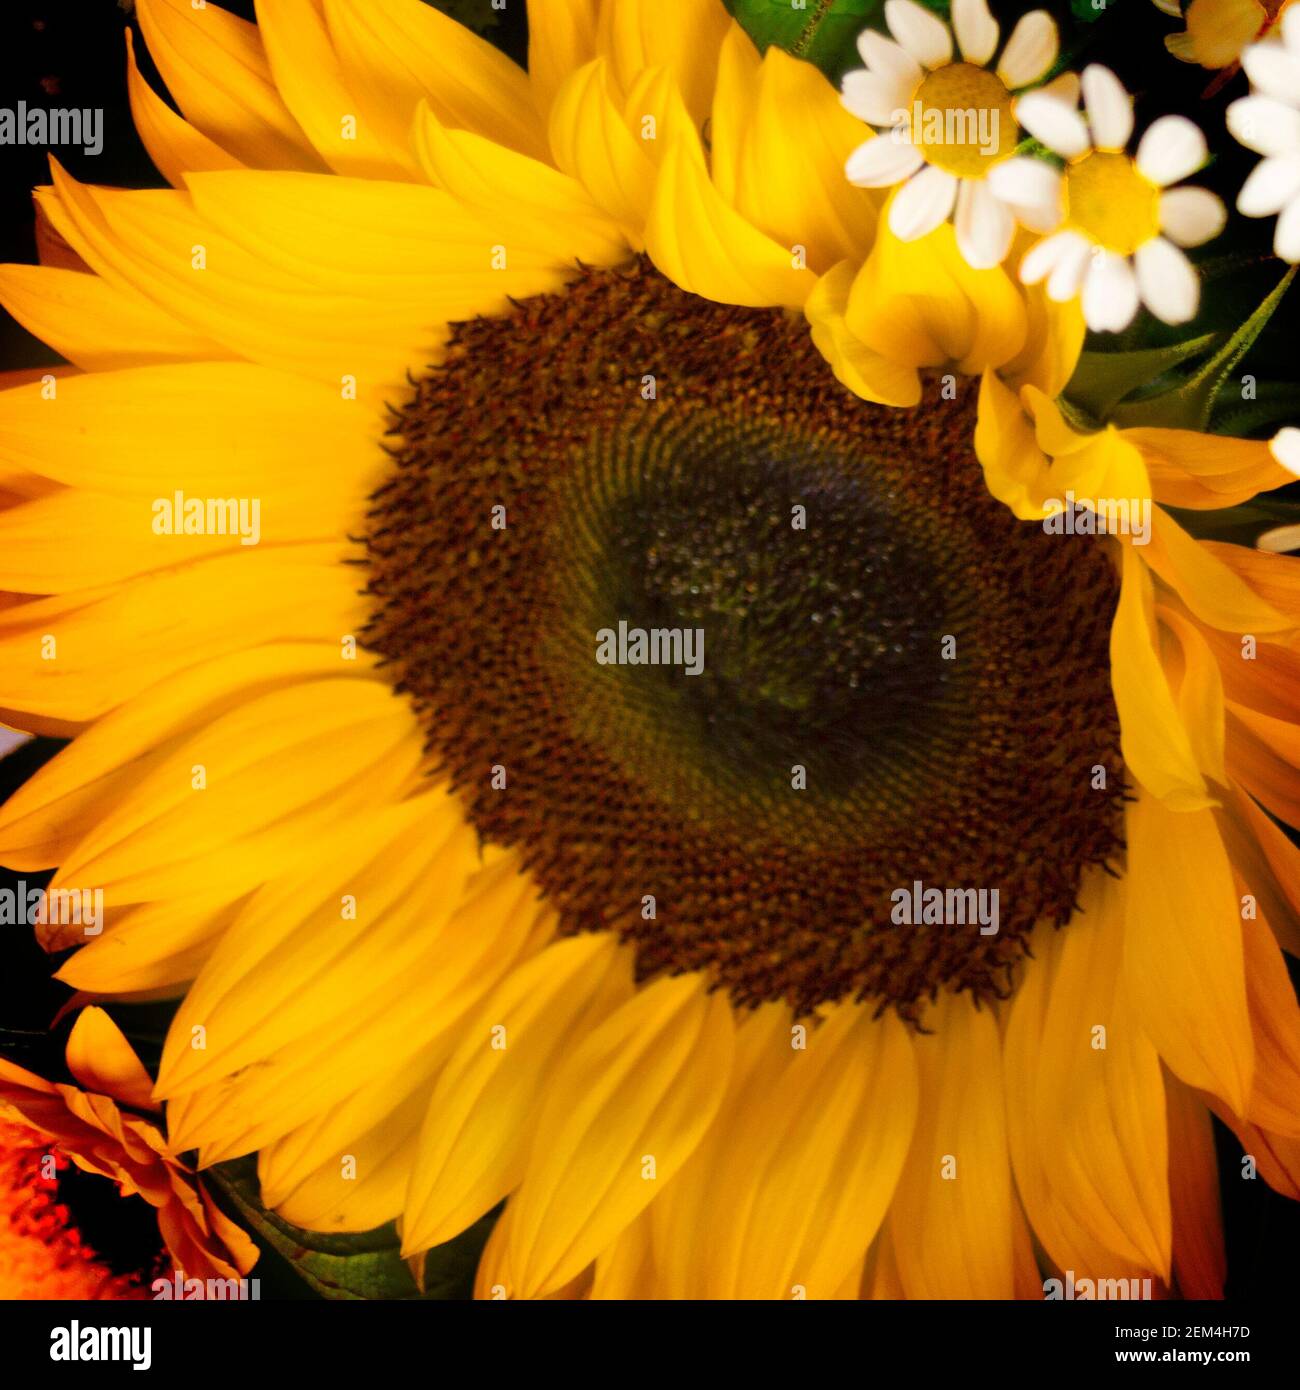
(883, 162)
(1173, 8)
(1172, 148)
(1167, 281)
(1025, 180)
(1286, 236)
(1110, 108)
(1191, 216)
(976, 29)
(1291, 30)
(1273, 182)
(985, 227)
(1030, 50)
(922, 204)
(1285, 448)
(1068, 273)
(1264, 125)
(1066, 88)
(887, 59)
(1280, 540)
(1057, 125)
(875, 99)
(925, 36)
(1038, 217)
(1274, 69)
(1041, 259)
(1110, 293)
(1031, 188)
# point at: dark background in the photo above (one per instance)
(71, 53)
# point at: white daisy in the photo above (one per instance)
(946, 122)
(1268, 122)
(1285, 448)
(1123, 222)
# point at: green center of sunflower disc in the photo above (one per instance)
(742, 665)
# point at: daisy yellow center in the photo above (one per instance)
(961, 118)
(1110, 202)
(737, 661)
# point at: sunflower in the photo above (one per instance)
(105, 1125)
(1218, 30)
(520, 368)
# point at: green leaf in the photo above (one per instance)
(1103, 379)
(822, 31)
(1089, 11)
(367, 1265)
(1242, 525)
(1191, 404)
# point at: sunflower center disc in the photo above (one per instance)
(741, 664)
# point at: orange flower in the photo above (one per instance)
(109, 1125)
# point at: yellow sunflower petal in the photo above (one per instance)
(353, 1072)
(233, 801)
(309, 76)
(1183, 953)
(856, 366)
(245, 261)
(684, 37)
(804, 1173)
(148, 948)
(623, 1113)
(77, 656)
(1015, 468)
(1193, 676)
(478, 1128)
(214, 65)
(921, 304)
(592, 144)
(43, 819)
(709, 249)
(1200, 1264)
(1085, 1102)
(102, 1060)
(1156, 746)
(1210, 588)
(952, 1209)
(561, 39)
(98, 325)
(313, 1151)
(1275, 1098)
(1052, 344)
(734, 95)
(357, 1190)
(1190, 469)
(406, 51)
(174, 145)
(683, 1216)
(564, 217)
(1264, 755)
(1267, 861)
(790, 180)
